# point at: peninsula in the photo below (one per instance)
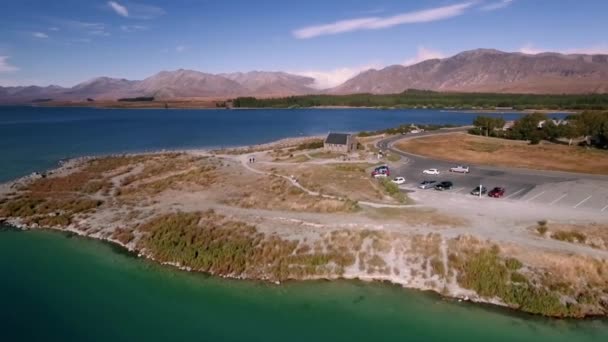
(292, 210)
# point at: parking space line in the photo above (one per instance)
(458, 190)
(604, 208)
(534, 197)
(581, 202)
(516, 192)
(557, 200)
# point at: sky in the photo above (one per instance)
(65, 42)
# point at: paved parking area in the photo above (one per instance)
(591, 195)
(554, 189)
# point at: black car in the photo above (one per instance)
(444, 186)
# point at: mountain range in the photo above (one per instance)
(481, 70)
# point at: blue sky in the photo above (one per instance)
(69, 41)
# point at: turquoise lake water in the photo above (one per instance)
(54, 287)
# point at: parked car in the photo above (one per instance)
(445, 185)
(460, 169)
(431, 172)
(383, 173)
(497, 192)
(398, 180)
(480, 189)
(427, 184)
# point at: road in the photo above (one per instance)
(553, 188)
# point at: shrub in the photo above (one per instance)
(569, 236)
(310, 145)
(123, 235)
(488, 275)
(212, 243)
(393, 190)
(513, 264)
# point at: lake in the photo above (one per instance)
(54, 287)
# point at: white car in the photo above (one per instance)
(460, 169)
(380, 175)
(398, 180)
(431, 172)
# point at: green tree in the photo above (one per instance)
(551, 131)
(487, 124)
(527, 128)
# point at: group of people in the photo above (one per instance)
(251, 160)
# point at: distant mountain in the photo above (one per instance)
(481, 70)
(273, 83)
(169, 85)
(485, 70)
(188, 83)
(28, 93)
(101, 88)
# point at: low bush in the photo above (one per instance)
(310, 145)
(212, 243)
(490, 276)
(569, 236)
(393, 190)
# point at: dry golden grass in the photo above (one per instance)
(500, 152)
(325, 155)
(276, 193)
(415, 217)
(593, 235)
(346, 180)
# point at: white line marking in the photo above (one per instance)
(557, 200)
(537, 195)
(604, 208)
(458, 190)
(516, 192)
(581, 202)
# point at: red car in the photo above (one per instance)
(497, 192)
(381, 173)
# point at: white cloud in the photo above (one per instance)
(133, 28)
(141, 11)
(102, 33)
(496, 5)
(79, 25)
(325, 79)
(330, 78)
(40, 35)
(599, 49)
(118, 8)
(5, 66)
(422, 54)
(374, 23)
(135, 10)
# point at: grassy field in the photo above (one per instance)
(500, 152)
(346, 180)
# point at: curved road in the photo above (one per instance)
(549, 187)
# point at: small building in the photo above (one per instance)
(340, 143)
(508, 125)
(556, 122)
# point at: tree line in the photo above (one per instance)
(430, 99)
(592, 126)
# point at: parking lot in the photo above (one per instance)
(555, 189)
